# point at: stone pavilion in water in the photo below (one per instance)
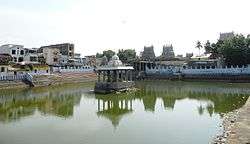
(114, 77)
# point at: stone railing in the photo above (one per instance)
(73, 69)
(11, 77)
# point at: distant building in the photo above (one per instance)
(225, 36)
(31, 58)
(168, 52)
(51, 55)
(189, 55)
(179, 56)
(66, 51)
(148, 53)
(17, 52)
(78, 58)
(31, 55)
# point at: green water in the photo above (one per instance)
(160, 112)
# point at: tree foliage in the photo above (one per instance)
(234, 51)
(127, 55)
(5, 58)
(107, 53)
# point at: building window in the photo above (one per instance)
(33, 59)
(35, 70)
(2, 69)
(55, 59)
(21, 52)
(70, 48)
(15, 59)
(13, 52)
(20, 59)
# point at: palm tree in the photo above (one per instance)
(199, 46)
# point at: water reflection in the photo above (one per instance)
(58, 101)
(61, 100)
(114, 108)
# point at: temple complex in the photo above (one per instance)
(168, 52)
(114, 77)
(148, 53)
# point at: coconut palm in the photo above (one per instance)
(199, 46)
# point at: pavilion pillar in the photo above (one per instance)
(126, 75)
(117, 75)
(108, 74)
(99, 76)
(104, 74)
(139, 66)
(120, 75)
(131, 75)
(123, 75)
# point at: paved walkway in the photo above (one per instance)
(241, 131)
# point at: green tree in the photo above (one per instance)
(199, 46)
(127, 55)
(108, 54)
(208, 47)
(235, 51)
(99, 55)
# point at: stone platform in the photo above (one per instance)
(241, 131)
(109, 87)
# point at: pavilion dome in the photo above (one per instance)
(115, 57)
(115, 61)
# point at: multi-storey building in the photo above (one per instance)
(66, 50)
(17, 52)
(51, 55)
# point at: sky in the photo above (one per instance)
(97, 25)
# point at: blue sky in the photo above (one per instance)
(97, 25)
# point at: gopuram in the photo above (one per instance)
(114, 77)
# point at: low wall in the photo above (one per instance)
(78, 69)
(53, 79)
(229, 74)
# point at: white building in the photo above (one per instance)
(16, 51)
